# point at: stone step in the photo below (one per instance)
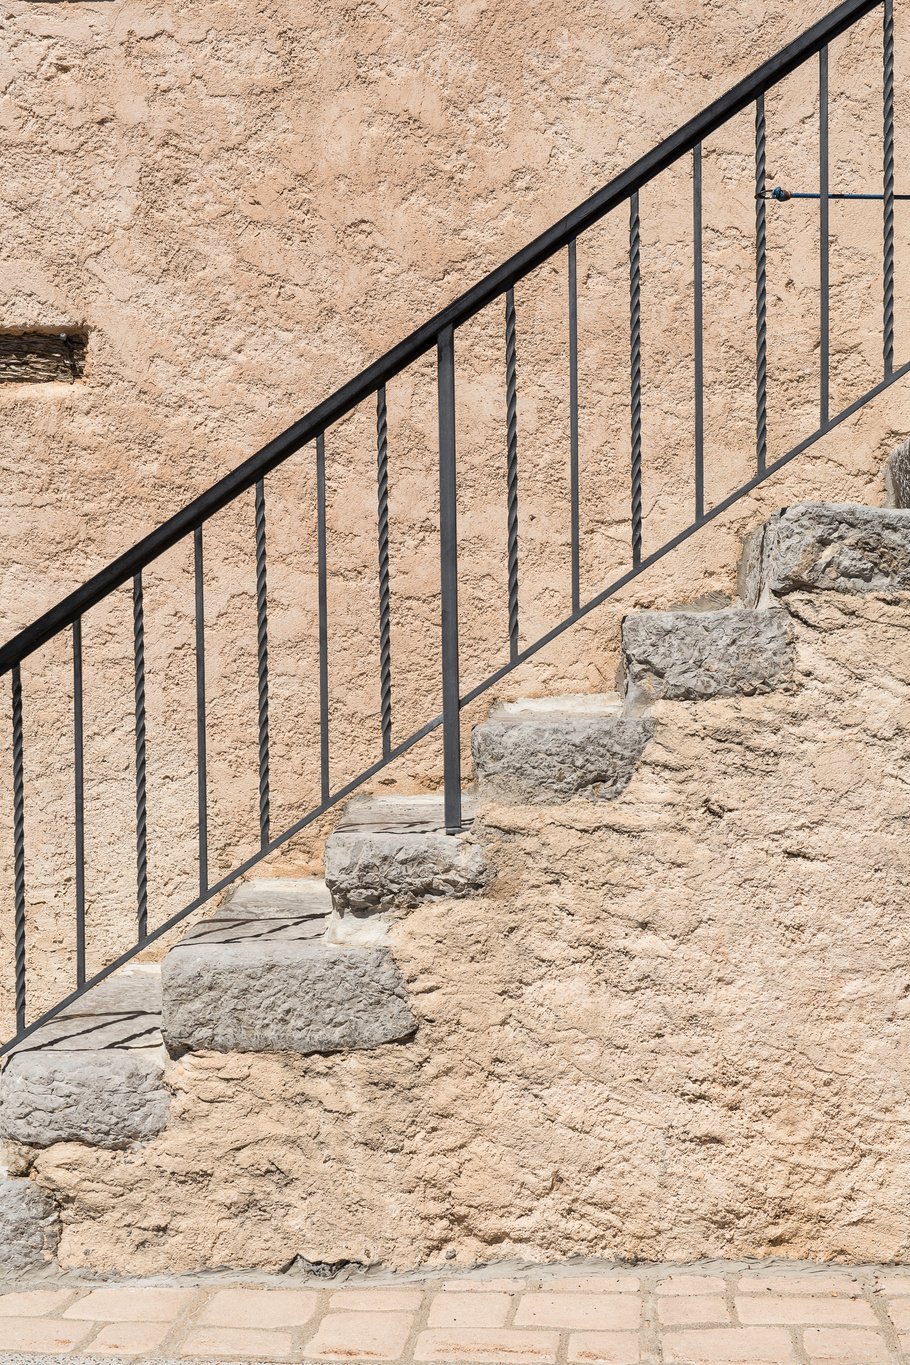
(694, 655)
(261, 975)
(392, 852)
(557, 749)
(830, 547)
(95, 1074)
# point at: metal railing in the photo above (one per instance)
(370, 385)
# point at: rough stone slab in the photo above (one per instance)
(254, 996)
(555, 755)
(29, 1227)
(689, 656)
(837, 547)
(897, 476)
(393, 852)
(105, 1098)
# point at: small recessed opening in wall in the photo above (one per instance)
(46, 357)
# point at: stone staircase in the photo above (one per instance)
(306, 965)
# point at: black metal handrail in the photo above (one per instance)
(438, 333)
(425, 337)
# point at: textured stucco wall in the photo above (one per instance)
(675, 1025)
(244, 203)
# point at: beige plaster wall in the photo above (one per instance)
(244, 203)
(674, 1027)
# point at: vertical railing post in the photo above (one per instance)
(888, 169)
(262, 666)
(448, 566)
(574, 516)
(761, 291)
(635, 373)
(824, 235)
(142, 884)
(325, 782)
(512, 470)
(79, 799)
(202, 816)
(19, 845)
(699, 333)
(385, 595)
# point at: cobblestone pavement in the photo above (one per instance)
(581, 1314)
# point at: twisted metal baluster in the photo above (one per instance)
(761, 291)
(19, 844)
(574, 512)
(262, 664)
(635, 372)
(322, 592)
(142, 894)
(512, 470)
(888, 243)
(385, 596)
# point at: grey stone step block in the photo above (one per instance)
(255, 996)
(692, 656)
(558, 750)
(29, 1227)
(393, 852)
(835, 547)
(112, 1098)
(95, 1073)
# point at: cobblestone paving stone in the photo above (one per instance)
(579, 1314)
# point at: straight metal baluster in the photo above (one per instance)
(448, 565)
(512, 470)
(888, 164)
(19, 845)
(635, 372)
(385, 635)
(262, 664)
(323, 619)
(201, 760)
(761, 290)
(698, 325)
(824, 239)
(79, 795)
(573, 426)
(142, 895)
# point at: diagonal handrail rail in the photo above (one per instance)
(425, 337)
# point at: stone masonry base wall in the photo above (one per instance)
(672, 1027)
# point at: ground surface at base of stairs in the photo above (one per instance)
(744, 1313)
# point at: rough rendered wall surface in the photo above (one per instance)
(245, 202)
(674, 1026)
